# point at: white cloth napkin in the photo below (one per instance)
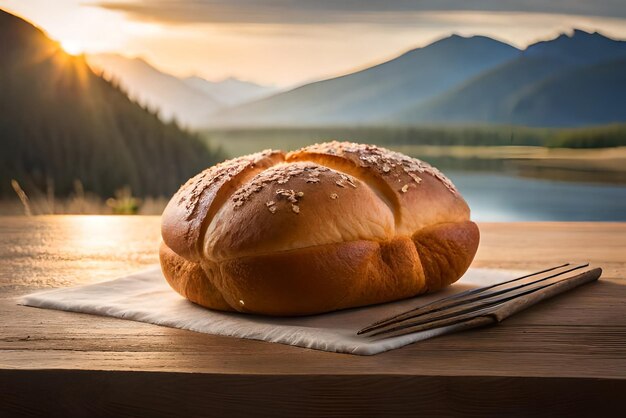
(146, 297)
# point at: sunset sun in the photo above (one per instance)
(72, 47)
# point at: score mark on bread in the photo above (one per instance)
(327, 227)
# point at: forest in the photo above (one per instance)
(61, 124)
(603, 136)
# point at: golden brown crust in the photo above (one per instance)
(190, 280)
(319, 279)
(418, 193)
(446, 251)
(187, 213)
(296, 213)
(328, 227)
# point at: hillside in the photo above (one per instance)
(189, 100)
(579, 48)
(375, 92)
(487, 98)
(59, 122)
(505, 93)
(230, 91)
(173, 97)
(599, 97)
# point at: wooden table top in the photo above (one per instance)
(565, 355)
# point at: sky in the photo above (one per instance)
(290, 42)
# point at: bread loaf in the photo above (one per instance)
(327, 227)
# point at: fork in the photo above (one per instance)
(485, 305)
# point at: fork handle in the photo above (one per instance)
(519, 304)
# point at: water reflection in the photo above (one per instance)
(53, 251)
(96, 233)
(500, 197)
(535, 184)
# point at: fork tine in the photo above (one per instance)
(439, 323)
(478, 306)
(484, 315)
(452, 298)
(469, 296)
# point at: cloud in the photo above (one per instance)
(390, 12)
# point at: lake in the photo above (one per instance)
(505, 197)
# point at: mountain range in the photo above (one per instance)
(378, 91)
(572, 80)
(60, 123)
(187, 100)
(230, 91)
(557, 83)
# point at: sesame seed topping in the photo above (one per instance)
(348, 179)
(334, 196)
(292, 196)
(189, 195)
(270, 203)
(272, 209)
(415, 178)
(383, 160)
(339, 183)
(405, 188)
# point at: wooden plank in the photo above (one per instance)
(532, 245)
(76, 393)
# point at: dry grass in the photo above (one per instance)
(90, 205)
(79, 203)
